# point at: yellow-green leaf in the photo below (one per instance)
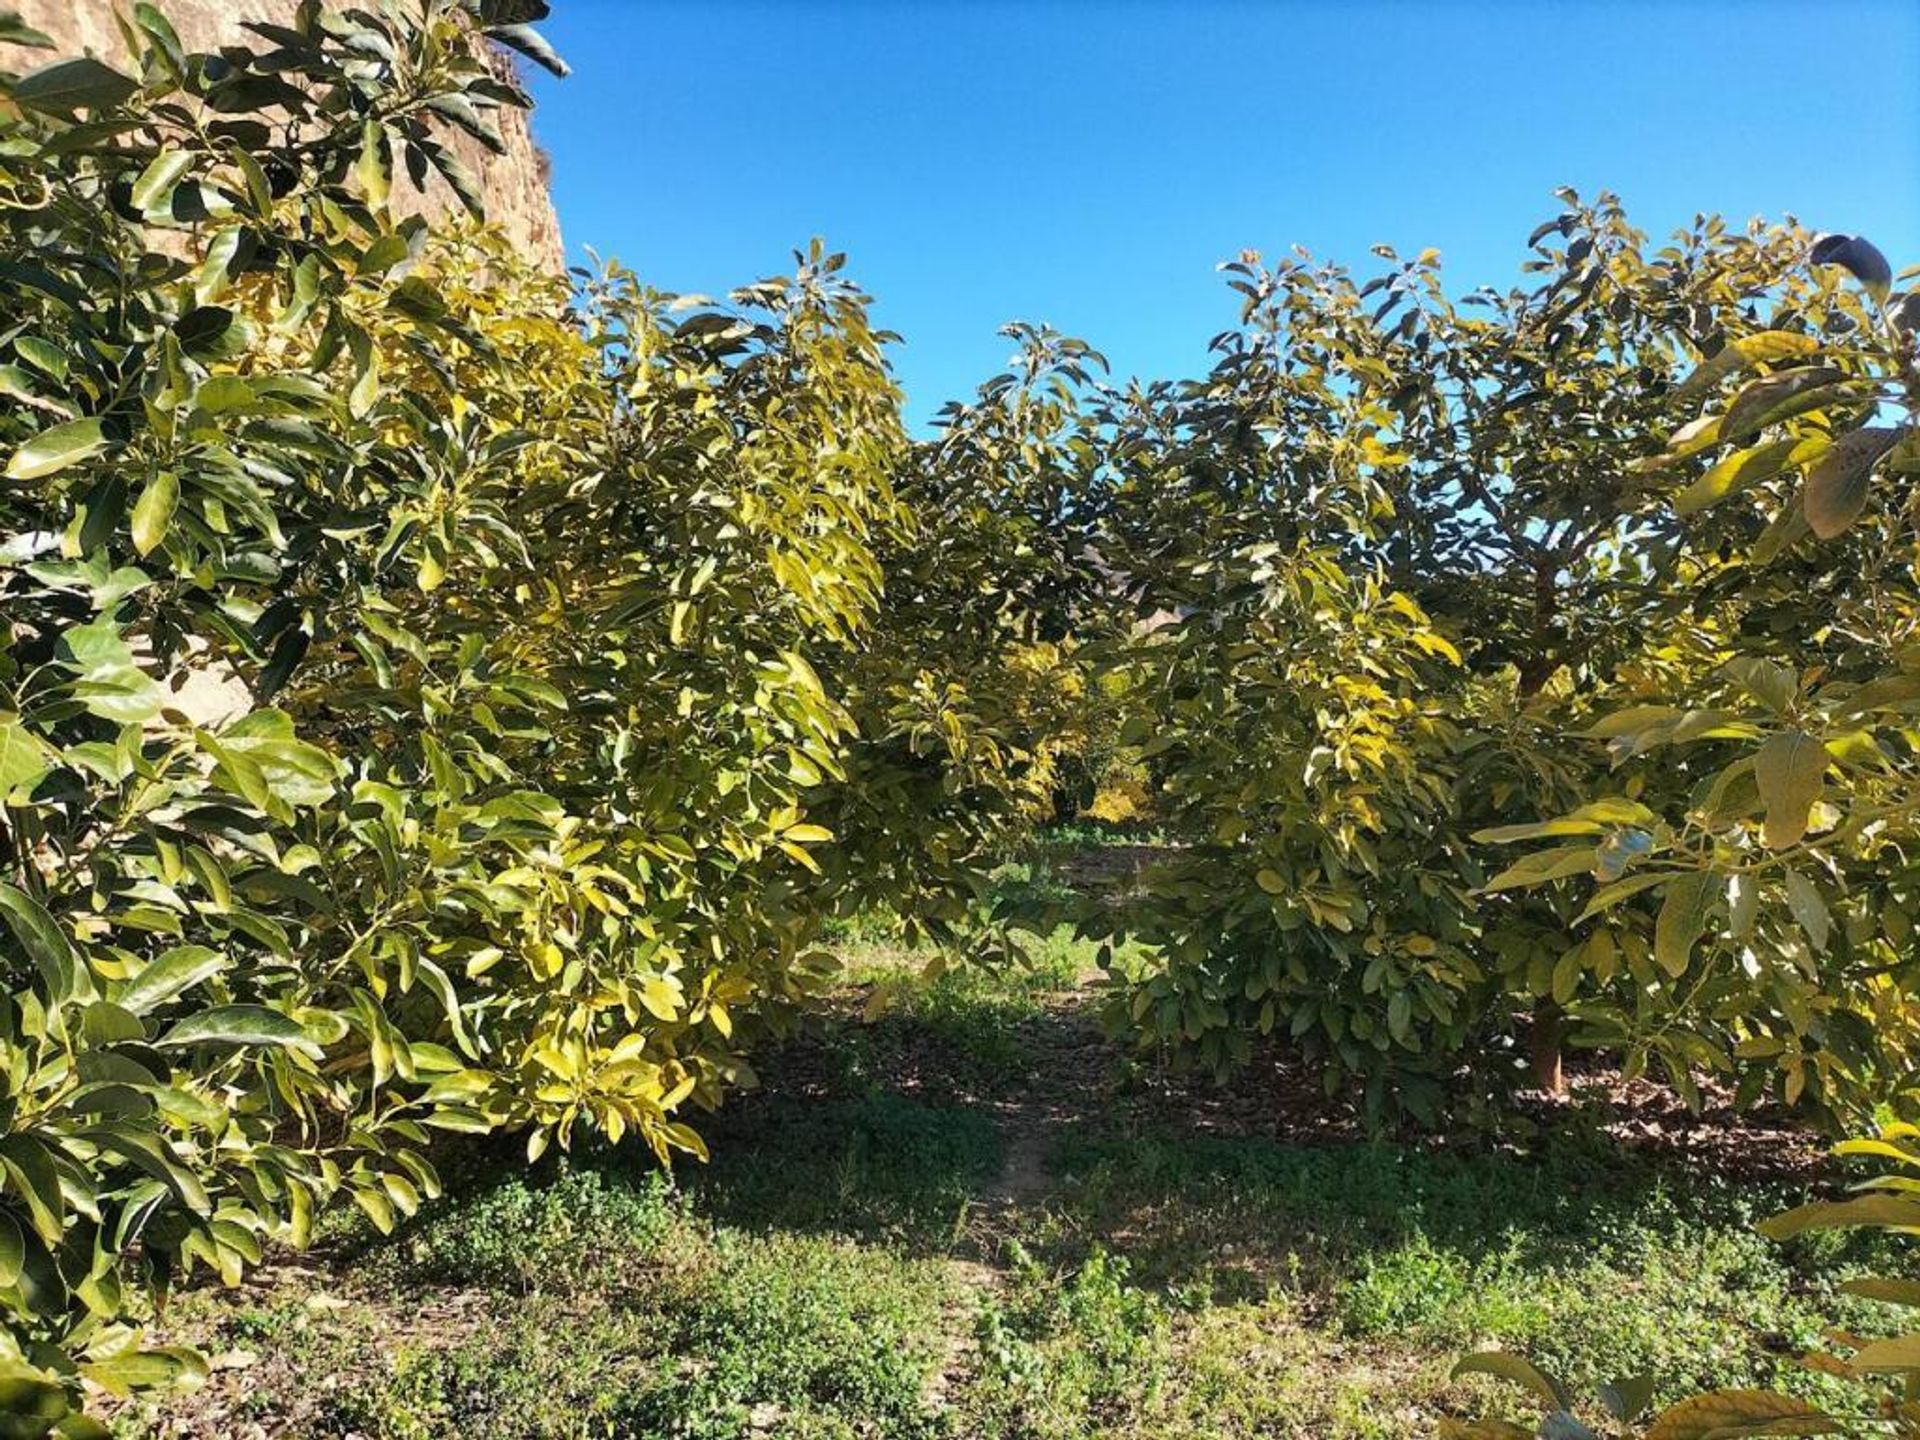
(1893, 1212)
(153, 511)
(1803, 898)
(1735, 472)
(371, 166)
(1770, 346)
(1886, 1290)
(24, 757)
(1789, 771)
(1684, 909)
(55, 448)
(1517, 1371)
(1545, 865)
(156, 182)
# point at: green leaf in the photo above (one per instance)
(36, 1182)
(156, 182)
(1708, 374)
(1789, 770)
(238, 774)
(1773, 398)
(1593, 818)
(377, 1207)
(159, 29)
(462, 112)
(1626, 1398)
(1773, 685)
(1684, 909)
(1743, 905)
(365, 393)
(148, 1154)
(165, 1369)
(237, 1025)
(1633, 718)
(1889, 692)
(69, 85)
(530, 43)
(1607, 896)
(153, 511)
(107, 680)
(1545, 865)
(55, 448)
(15, 31)
(383, 252)
(227, 395)
(46, 944)
(1786, 530)
(30, 1401)
(13, 1250)
(176, 971)
(24, 757)
(1803, 898)
(43, 355)
(264, 747)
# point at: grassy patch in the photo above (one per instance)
(971, 1219)
(1594, 1270)
(968, 1029)
(877, 1166)
(590, 1306)
(1065, 1355)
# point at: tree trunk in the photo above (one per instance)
(1549, 1025)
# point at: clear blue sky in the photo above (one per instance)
(1088, 164)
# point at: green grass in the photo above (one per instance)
(596, 1303)
(955, 1223)
(880, 1168)
(1062, 1355)
(971, 1021)
(1595, 1268)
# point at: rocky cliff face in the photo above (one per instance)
(514, 184)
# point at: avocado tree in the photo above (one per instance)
(406, 713)
(1774, 885)
(1493, 475)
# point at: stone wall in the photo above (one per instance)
(514, 184)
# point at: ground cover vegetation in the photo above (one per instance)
(443, 704)
(976, 1216)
